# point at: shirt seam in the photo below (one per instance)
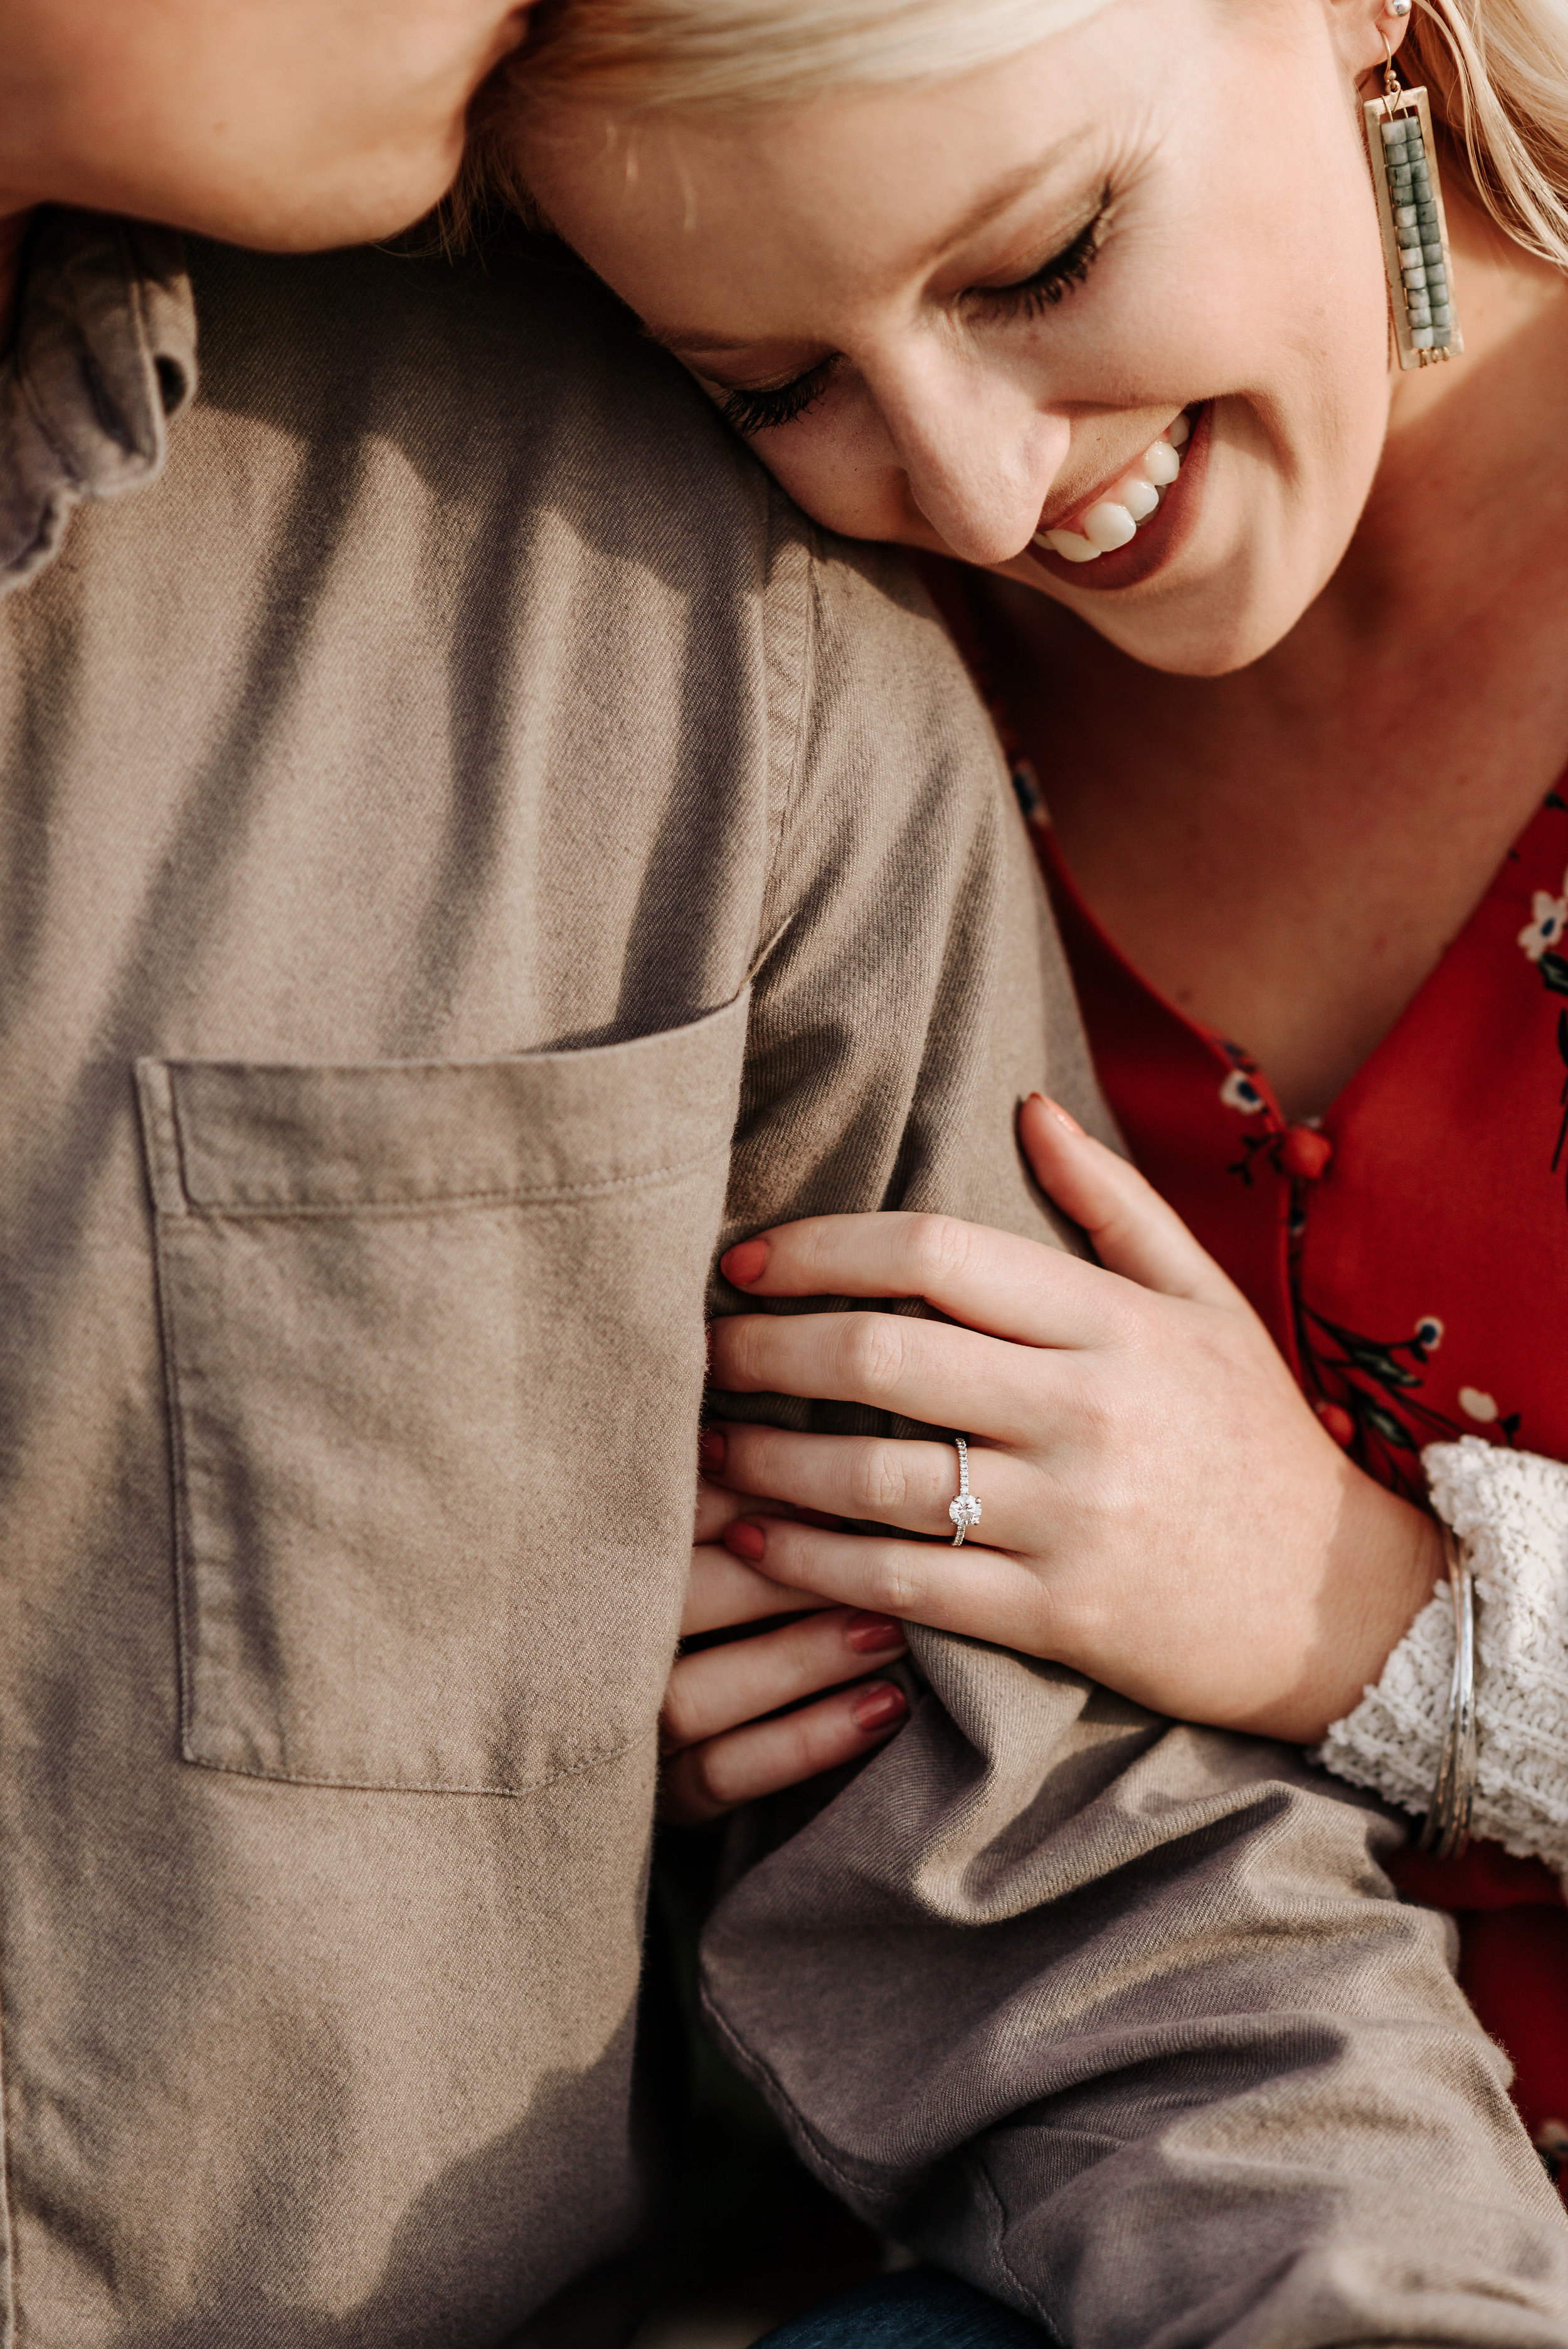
(8, 2207)
(784, 526)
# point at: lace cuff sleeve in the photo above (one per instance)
(1511, 1508)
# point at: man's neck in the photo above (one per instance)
(13, 234)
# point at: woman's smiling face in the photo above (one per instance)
(957, 316)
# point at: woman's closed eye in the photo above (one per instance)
(767, 408)
(1046, 286)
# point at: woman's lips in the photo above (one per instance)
(1146, 543)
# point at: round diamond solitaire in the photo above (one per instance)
(965, 1511)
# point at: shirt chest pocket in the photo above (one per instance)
(434, 1344)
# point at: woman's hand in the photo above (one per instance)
(1162, 1509)
(717, 1751)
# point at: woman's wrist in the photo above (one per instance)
(1386, 1560)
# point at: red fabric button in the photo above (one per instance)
(1304, 1152)
(1338, 1420)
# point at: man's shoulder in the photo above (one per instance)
(508, 367)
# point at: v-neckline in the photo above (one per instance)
(1233, 1052)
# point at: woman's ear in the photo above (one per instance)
(1359, 29)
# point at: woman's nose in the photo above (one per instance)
(979, 454)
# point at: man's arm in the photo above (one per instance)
(909, 988)
(1116, 2017)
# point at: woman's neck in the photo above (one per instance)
(1469, 509)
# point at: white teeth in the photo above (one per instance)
(1108, 525)
(1112, 522)
(1069, 545)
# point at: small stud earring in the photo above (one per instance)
(1399, 7)
(1411, 211)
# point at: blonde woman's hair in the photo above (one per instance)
(1497, 71)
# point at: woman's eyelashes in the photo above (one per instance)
(1046, 287)
(769, 407)
(764, 409)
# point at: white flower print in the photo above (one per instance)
(1239, 1092)
(1543, 934)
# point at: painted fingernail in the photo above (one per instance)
(745, 1262)
(878, 1706)
(745, 1541)
(872, 1635)
(1059, 1113)
(710, 1450)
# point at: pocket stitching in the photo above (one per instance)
(178, 1469)
(409, 1785)
(437, 1203)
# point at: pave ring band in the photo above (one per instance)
(965, 1511)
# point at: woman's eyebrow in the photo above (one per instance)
(1003, 194)
(684, 343)
(997, 199)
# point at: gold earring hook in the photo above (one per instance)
(1392, 88)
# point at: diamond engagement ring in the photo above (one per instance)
(965, 1511)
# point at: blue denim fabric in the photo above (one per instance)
(919, 2308)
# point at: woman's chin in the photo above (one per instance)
(1192, 642)
(1210, 616)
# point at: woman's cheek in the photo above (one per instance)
(844, 473)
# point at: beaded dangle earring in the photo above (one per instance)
(1411, 208)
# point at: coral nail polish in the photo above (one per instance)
(745, 1541)
(746, 1262)
(878, 1706)
(873, 1635)
(710, 1450)
(1062, 1116)
(1339, 1423)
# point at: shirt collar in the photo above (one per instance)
(105, 355)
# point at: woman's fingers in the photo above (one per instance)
(907, 1484)
(922, 1369)
(1134, 1232)
(983, 1593)
(717, 1751)
(988, 1281)
(740, 1765)
(721, 1591)
(715, 1507)
(719, 1687)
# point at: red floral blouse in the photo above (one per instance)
(1409, 1251)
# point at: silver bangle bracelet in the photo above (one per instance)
(1448, 1827)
